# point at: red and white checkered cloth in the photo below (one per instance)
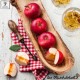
(35, 66)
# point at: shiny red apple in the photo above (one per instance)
(50, 54)
(39, 26)
(58, 58)
(47, 40)
(32, 10)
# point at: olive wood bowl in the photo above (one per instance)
(69, 59)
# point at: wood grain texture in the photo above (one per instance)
(7, 55)
(69, 60)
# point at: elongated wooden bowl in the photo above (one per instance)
(69, 60)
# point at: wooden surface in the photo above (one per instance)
(6, 55)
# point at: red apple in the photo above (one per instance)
(50, 54)
(58, 58)
(32, 10)
(10, 70)
(22, 58)
(46, 40)
(39, 26)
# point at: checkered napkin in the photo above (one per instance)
(35, 66)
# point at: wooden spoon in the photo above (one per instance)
(12, 25)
